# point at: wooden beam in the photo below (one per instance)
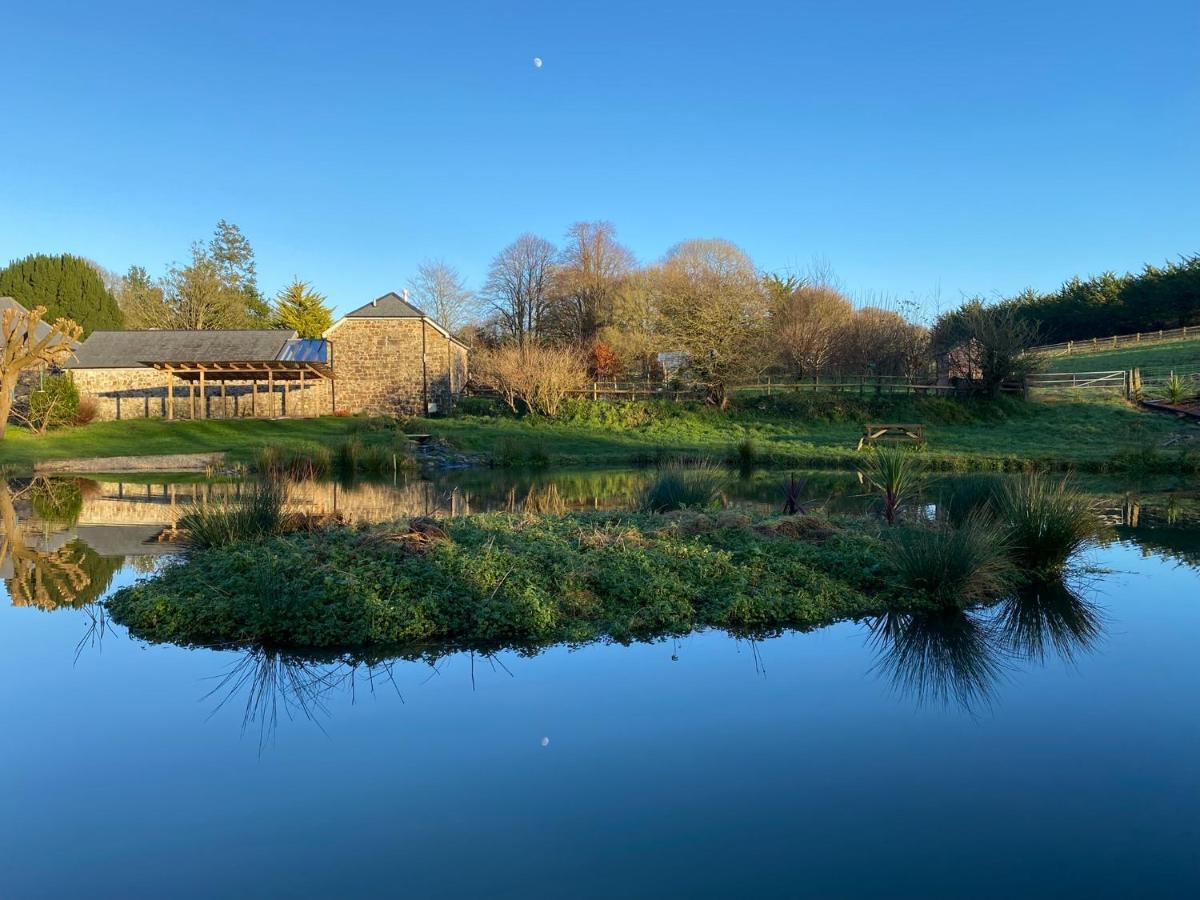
(271, 391)
(303, 399)
(203, 396)
(170, 394)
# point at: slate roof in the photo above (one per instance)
(43, 327)
(390, 306)
(129, 349)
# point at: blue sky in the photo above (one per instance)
(975, 147)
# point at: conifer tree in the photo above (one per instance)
(67, 286)
(299, 307)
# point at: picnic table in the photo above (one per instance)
(876, 431)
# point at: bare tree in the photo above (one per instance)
(518, 286)
(806, 322)
(591, 269)
(711, 306)
(442, 293)
(26, 343)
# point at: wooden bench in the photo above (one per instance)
(875, 431)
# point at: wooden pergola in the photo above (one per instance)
(285, 371)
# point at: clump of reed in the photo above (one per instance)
(297, 463)
(677, 487)
(221, 525)
(793, 493)
(1048, 521)
(513, 453)
(896, 475)
(956, 565)
(745, 453)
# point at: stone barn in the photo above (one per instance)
(389, 358)
(384, 358)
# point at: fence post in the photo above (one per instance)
(594, 391)
(1070, 346)
(768, 385)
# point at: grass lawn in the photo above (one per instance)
(1184, 355)
(796, 431)
(135, 437)
(1005, 435)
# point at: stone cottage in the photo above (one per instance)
(384, 358)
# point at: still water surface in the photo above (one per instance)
(1050, 749)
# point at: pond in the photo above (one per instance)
(1049, 746)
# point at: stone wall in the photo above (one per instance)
(377, 366)
(140, 392)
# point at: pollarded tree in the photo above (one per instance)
(66, 286)
(27, 342)
(299, 307)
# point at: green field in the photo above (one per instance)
(1005, 434)
(1181, 355)
(1095, 434)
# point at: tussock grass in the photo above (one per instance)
(1048, 521)
(678, 487)
(224, 525)
(956, 565)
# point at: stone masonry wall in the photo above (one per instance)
(141, 393)
(377, 366)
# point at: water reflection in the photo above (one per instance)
(41, 568)
(961, 656)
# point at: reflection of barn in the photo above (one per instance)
(386, 357)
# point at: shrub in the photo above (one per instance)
(476, 406)
(86, 412)
(1048, 521)
(56, 403)
(531, 377)
(896, 475)
(223, 525)
(681, 487)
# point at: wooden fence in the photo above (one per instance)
(862, 385)
(1112, 342)
(1111, 380)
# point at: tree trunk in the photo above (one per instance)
(7, 386)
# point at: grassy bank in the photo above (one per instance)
(1184, 355)
(795, 431)
(1098, 435)
(502, 580)
(240, 438)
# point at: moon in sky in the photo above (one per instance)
(537, 62)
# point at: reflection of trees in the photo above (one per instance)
(73, 575)
(958, 657)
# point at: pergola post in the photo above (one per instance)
(303, 399)
(203, 397)
(271, 391)
(192, 399)
(224, 401)
(170, 394)
(254, 398)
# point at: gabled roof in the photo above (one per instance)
(131, 349)
(390, 306)
(43, 327)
